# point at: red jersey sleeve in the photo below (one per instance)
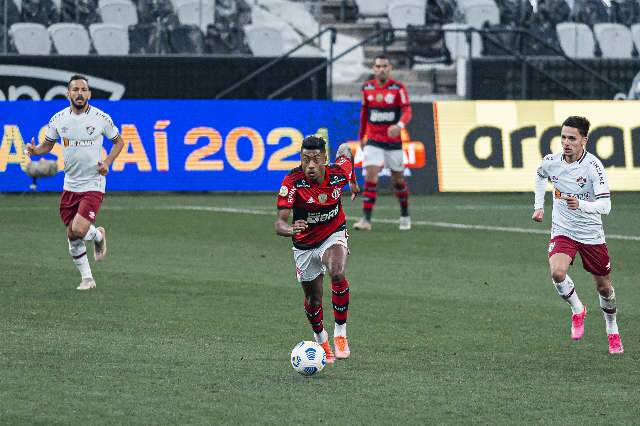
(405, 106)
(363, 116)
(347, 168)
(287, 194)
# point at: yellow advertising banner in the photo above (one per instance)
(496, 146)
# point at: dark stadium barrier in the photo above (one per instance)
(157, 77)
(197, 145)
(496, 146)
(507, 78)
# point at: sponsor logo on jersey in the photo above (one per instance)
(311, 200)
(322, 198)
(64, 129)
(90, 130)
(378, 116)
(302, 184)
(336, 179)
(370, 98)
(318, 217)
(283, 191)
(292, 194)
(581, 181)
(80, 142)
(389, 98)
(554, 179)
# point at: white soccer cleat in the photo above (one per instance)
(100, 249)
(86, 284)
(362, 225)
(405, 223)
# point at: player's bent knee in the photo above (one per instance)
(337, 277)
(558, 275)
(313, 302)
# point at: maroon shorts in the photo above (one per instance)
(595, 257)
(86, 204)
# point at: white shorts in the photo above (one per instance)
(393, 159)
(309, 262)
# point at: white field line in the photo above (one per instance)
(272, 212)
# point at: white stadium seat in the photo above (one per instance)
(194, 12)
(457, 44)
(121, 12)
(576, 39)
(265, 39)
(372, 8)
(476, 14)
(614, 39)
(406, 12)
(70, 39)
(110, 39)
(30, 38)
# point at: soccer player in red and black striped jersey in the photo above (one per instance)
(313, 191)
(385, 112)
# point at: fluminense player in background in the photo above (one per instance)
(313, 191)
(581, 196)
(81, 128)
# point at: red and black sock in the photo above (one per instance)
(314, 315)
(340, 300)
(369, 196)
(402, 193)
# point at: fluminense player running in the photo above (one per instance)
(82, 127)
(581, 196)
(313, 191)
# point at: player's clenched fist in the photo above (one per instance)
(103, 168)
(298, 226)
(538, 215)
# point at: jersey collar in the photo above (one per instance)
(580, 160)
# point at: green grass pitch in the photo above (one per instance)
(197, 310)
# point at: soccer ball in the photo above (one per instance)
(308, 358)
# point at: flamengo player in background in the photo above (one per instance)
(385, 112)
(319, 232)
(581, 195)
(81, 128)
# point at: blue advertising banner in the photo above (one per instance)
(184, 145)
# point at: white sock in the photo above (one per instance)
(567, 291)
(340, 330)
(78, 252)
(93, 234)
(609, 310)
(321, 337)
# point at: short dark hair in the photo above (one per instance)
(314, 142)
(577, 122)
(381, 56)
(77, 77)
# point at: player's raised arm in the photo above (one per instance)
(44, 148)
(345, 151)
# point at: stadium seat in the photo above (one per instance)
(576, 40)
(457, 44)
(193, 12)
(407, 12)
(614, 39)
(110, 39)
(265, 40)
(635, 35)
(187, 39)
(477, 14)
(30, 39)
(373, 8)
(121, 12)
(70, 39)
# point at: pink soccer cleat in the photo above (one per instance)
(577, 324)
(341, 346)
(327, 350)
(615, 345)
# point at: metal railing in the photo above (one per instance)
(284, 56)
